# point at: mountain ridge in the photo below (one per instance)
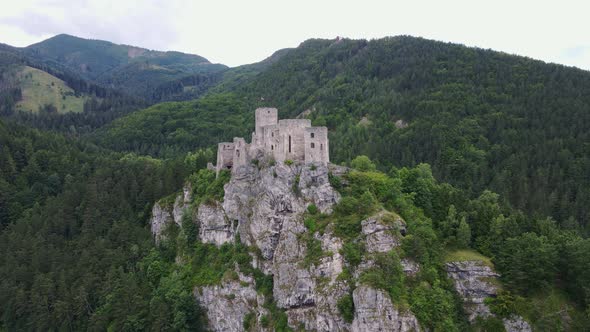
(124, 67)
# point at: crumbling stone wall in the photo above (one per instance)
(287, 139)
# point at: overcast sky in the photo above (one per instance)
(246, 31)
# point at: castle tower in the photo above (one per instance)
(317, 146)
(287, 139)
(265, 116)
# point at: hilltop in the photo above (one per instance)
(135, 70)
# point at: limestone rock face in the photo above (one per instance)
(265, 208)
(214, 226)
(324, 314)
(471, 279)
(161, 217)
(228, 304)
(379, 235)
(410, 267)
(375, 312)
(162, 214)
(473, 282)
(516, 324)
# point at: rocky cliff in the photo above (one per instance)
(264, 208)
(475, 282)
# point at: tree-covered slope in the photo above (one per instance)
(135, 70)
(72, 234)
(46, 95)
(482, 119)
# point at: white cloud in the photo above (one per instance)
(238, 32)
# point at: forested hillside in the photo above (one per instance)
(45, 95)
(134, 70)
(482, 119)
(73, 233)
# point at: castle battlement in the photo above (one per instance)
(286, 139)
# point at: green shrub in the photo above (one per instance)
(207, 187)
(335, 181)
(504, 304)
(363, 163)
(312, 209)
(288, 162)
(352, 251)
(348, 205)
(346, 308)
(434, 307)
(388, 275)
(348, 227)
(295, 185)
(310, 224)
(249, 321)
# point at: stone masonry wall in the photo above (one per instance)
(316, 145)
(287, 139)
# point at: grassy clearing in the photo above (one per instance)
(467, 255)
(40, 88)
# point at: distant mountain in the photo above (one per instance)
(46, 95)
(135, 70)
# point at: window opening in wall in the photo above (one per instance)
(312, 145)
(272, 134)
(321, 146)
(272, 147)
(289, 143)
(238, 152)
(312, 135)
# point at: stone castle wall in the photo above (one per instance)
(287, 139)
(225, 155)
(316, 145)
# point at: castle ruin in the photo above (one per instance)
(287, 139)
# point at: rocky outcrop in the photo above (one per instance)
(161, 217)
(410, 267)
(214, 226)
(323, 315)
(264, 207)
(474, 281)
(381, 231)
(228, 304)
(164, 214)
(375, 312)
(516, 324)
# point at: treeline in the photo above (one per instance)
(96, 113)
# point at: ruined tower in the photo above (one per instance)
(287, 139)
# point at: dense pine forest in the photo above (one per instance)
(481, 150)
